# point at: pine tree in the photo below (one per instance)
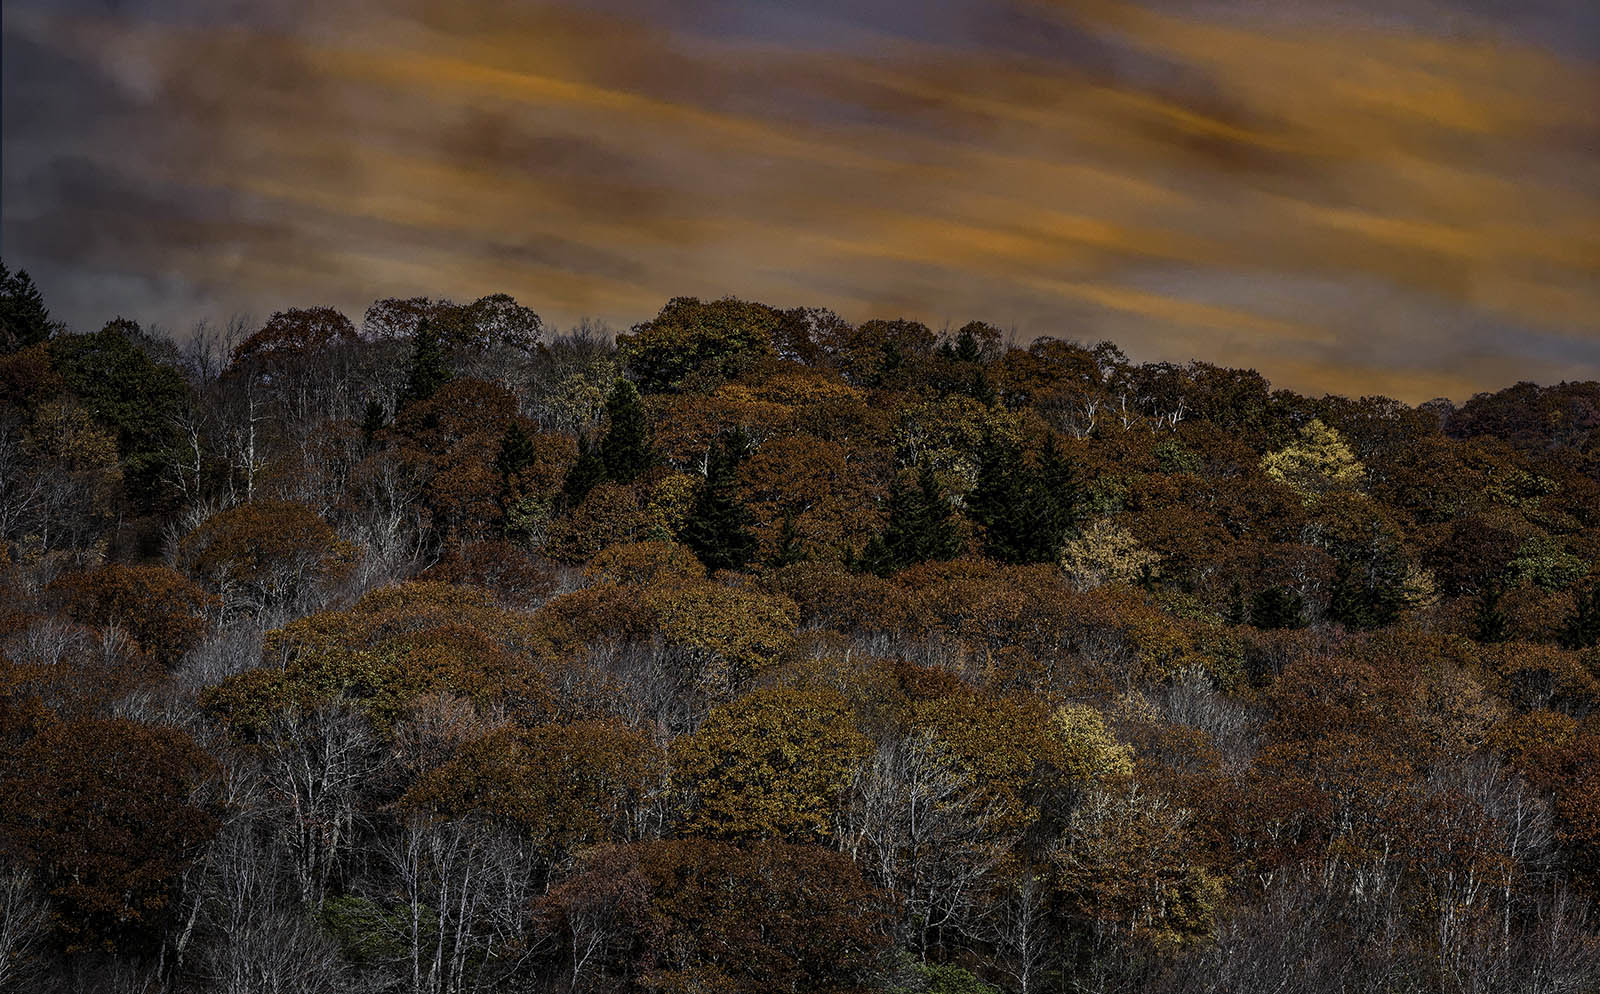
(921, 527)
(981, 391)
(998, 503)
(1368, 594)
(372, 420)
(1027, 512)
(717, 527)
(1277, 607)
(1490, 623)
(967, 348)
(789, 550)
(1057, 494)
(1236, 613)
(24, 320)
(516, 452)
(625, 449)
(430, 366)
(584, 475)
(1582, 630)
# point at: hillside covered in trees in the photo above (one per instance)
(751, 650)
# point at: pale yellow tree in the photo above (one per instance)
(1318, 463)
(1105, 553)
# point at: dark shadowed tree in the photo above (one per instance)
(717, 527)
(625, 449)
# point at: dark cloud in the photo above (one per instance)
(1346, 198)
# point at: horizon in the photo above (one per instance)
(1352, 199)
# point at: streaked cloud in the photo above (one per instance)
(1345, 201)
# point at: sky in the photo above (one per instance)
(1365, 197)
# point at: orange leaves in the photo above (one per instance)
(265, 552)
(105, 812)
(563, 785)
(161, 610)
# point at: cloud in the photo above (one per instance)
(1316, 198)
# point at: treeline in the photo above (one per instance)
(753, 650)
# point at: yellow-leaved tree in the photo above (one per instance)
(1319, 462)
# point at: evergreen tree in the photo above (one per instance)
(921, 527)
(1027, 512)
(981, 391)
(625, 449)
(789, 550)
(430, 366)
(1582, 630)
(1057, 496)
(717, 527)
(584, 475)
(1277, 607)
(1368, 595)
(1490, 622)
(1236, 613)
(24, 320)
(998, 503)
(516, 452)
(372, 420)
(967, 348)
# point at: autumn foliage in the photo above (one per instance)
(754, 650)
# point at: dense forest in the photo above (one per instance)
(752, 650)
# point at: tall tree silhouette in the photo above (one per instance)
(625, 449)
(584, 475)
(430, 366)
(24, 320)
(921, 527)
(1026, 511)
(718, 524)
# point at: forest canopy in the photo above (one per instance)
(754, 650)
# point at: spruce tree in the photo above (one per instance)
(1056, 493)
(1236, 614)
(921, 527)
(516, 452)
(998, 503)
(372, 420)
(1277, 607)
(1582, 630)
(789, 550)
(24, 320)
(430, 366)
(1490, 623)
(1368, 595)
(584, 475)
(967, 348)
(717, 527)
(1026, 512)
(625, 449)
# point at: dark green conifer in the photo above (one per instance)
(584, 475)
(372, 420)
(1057, 494)
(921, 527)
(717, 527)
(1582, 630)
(1277, 607)
(1490, 622)
(967, 348)
(998, 503)
(1026, 512)
(24, 320)
(516, 452)
(789, 550)
(430, 366)
(1368, 595)
(625, 449)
